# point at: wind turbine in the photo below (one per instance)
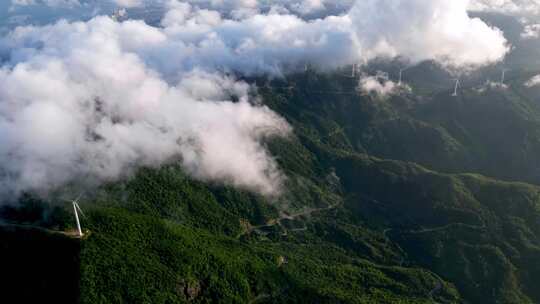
(400, 81)
(456, 87)
(353, 70)
(503, 75)
(76, 210)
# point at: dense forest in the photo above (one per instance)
(414, 198)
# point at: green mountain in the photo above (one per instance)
(416, 198)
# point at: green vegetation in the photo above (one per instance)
(376, 209)
(151, 260)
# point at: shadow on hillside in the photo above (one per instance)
(37, 266)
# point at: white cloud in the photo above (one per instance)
(490, 85)
(306, 7)
(83, 100)
(96, 99)
(77, 3)
(52, 3)
(439, 30)
(426, 30)
(301, 7)
(531, 31)
(380, 85)
(517, 7)
(271, 44)
(129, 3)
(533, 82)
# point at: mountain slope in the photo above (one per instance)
(375, 208)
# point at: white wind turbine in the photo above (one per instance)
(76, 210)
(503, 75)
(456, 87)
(401, 75)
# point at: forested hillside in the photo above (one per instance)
(408, 199)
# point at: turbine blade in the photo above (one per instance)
(80, 210)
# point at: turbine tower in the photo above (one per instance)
(353, 70)
(76, 210)
(456, 87)
(400, 80)
(503, 75)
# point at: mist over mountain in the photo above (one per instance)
(310, 151)
(188, 57)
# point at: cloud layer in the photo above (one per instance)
(83, 100)
(515, 7)
(301, 7)
(76, 3)
(94, 100)
(533, 82)
(426, 30)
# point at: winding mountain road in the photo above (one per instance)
(291, 217)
